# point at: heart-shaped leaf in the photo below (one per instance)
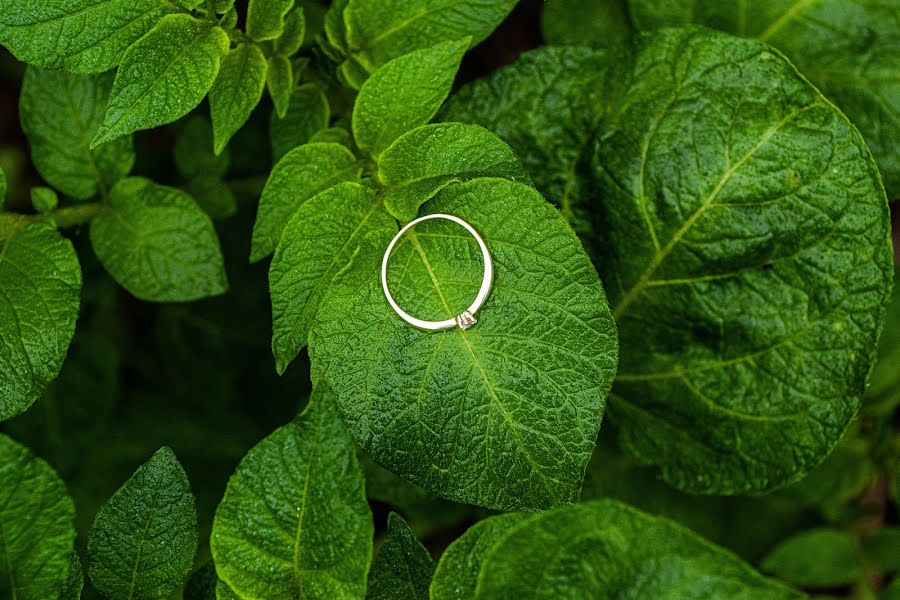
(504, 414)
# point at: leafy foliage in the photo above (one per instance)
(143, 541)
(708, 203)
(37, 521)
(309, 531)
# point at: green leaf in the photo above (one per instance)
(850, 49)
(546, 106)
(37, 519)
(44, 199)
(600, 23)
(163, 76)
(222, 6)
(504, 415)
(60, 114)
(81, 36)
(223, 592)
(456, 576)
(308, 112)
(74, 584)
(403, 567)
(40, 281)
(2, 188)
(190, 4)
(157, 243)
(280, 82)
(334, 26)
(143, 540)
(379, 31)
(589, 551)
(317, 242)
(882, 547)
(404, 94)
(300, 175)
(236, 92)
(423, 161)
(291, 39)
(265, 18)
(747, 279)
(294, 522)
(818, 558)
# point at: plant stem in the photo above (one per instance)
(71, 216)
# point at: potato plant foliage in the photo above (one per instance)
(684, 383)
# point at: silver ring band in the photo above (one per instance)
(467, 318)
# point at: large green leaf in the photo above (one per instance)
(290, 40)
(850, 49)
(158, 244)
(236, 92)
(605, 549)
(40, 291)
(144, 539)
(502, 415)
(403, 567)
(423, 161)
(379, 31)
(748, 262)
(265, 18)
(163, 76)
(546, 106)
(456, 576)
(404, 94)
(301, 174)
(317, 242)
(37, 521)
(82, 36)
(60, 114)
(74, 584)
(308, 112)
(294, 522)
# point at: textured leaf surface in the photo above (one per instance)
(403, 567)
(143, 540)
(265, 18)
(294, 522)
(404, 94)
(157, 243)
(600, 23)
(748, 263)
(44, 199)
(850, 49)
(40, 291)
(546, 106)
(60, 114)
(82, 36)
(163, 76)
(37, 520)
(606, 549)
(502, 415)
(280, 83)
(236, 92)
(74, 584)
(818, 558)
(379, 31)
(308, 112)
(290, 40)
(300, 175)
(423, 161)
(317, 242)
(456, 576)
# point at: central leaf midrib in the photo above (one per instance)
(488, 386)
(635, 291)
(305, 495)
(137, 558)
